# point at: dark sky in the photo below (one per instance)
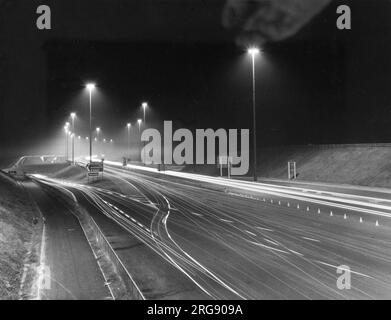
(321, 86)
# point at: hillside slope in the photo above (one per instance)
(16, 234)
(367, 165)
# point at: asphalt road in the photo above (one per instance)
(240, 240)
(68, 269)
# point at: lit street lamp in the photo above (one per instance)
(254, 52)
(144, 106)
(73, 115)
(97, 138)
(66, 140)
(128, 126)
(90, 88)
(139, 121)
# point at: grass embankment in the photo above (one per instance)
(366, 165)
(359, 164)
(16, 237)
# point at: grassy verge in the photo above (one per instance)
(17, 238)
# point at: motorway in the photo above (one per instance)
(240, 240)
(68, 268)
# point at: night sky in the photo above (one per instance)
(321, 86)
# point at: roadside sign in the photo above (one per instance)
(94, 169)
(225, 162)
(292, 170)
(95, 166)
(93, 174)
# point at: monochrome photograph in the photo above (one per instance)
(200, 152)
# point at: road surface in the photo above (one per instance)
(240, 240)
(68, 269)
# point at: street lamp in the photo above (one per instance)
(73, 115)
(90, 87)
(97, 132)
(144, 106)
(128, 125)
(139, 121)
(254, 51)
(66, 129)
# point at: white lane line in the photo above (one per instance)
(42, 265)
(228, 221)
(295, 252)
(336, 267)
(272, 242)
(310, 239)
(265, 229)
(197, 214)
(267, 247)
(127, 216)
(249, 232)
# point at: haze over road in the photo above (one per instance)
(240, 240)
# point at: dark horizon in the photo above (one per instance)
(321, 86)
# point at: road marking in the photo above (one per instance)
(249, 232)
(228, 221)
(310, 239)
(197, 214)
(336, 267)
(272, 242)
(267, 247)
(42, 262)
(295, 252)
(265, 229)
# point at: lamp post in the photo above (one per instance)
(73, 115)
(128, 125)
(90, 88)
(139, 121)
(66, 129)
(254, 52)
(144, 105)
(97, 138)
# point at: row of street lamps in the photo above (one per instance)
(72, 134)
(253, 52)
